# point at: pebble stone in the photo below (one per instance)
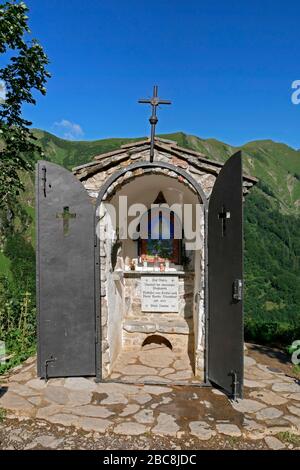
(130, 429)
(93, 424)
(130, 410)
(166, 425)
(249, 361)
(274, 443)
(286, 387)
(247, 405)
(268, 397)
(269, 413)
(79, 383)
(229, 429)
(201, 430)
(144, 417)
(294, 410)
(47, 441)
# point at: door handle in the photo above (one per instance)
(237, 291)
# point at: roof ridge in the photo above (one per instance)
(138, 143)
(109, 154)
(166, 141)
(163, 145)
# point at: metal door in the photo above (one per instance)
(225, 279)
(65, 274)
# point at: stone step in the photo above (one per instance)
(136, 326)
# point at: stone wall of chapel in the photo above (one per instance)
(204, 178)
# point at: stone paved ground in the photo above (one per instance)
(78, 413)
(154, 363)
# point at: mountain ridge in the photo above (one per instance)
(275, 164)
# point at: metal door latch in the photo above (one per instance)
(51, 359)
(235, 384)
(237, 293)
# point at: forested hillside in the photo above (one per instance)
(272, 236)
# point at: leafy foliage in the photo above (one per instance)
(17, 295)
(272, 271)
(24, 73)
(17, 322)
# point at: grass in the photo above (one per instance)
(5, 265)
(289, 437)
(2, 415)
(296, 370)
(232, 441)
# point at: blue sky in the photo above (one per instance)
(226, 65)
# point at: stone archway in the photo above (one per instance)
(157, 339)
(112, 185)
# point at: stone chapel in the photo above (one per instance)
(152, 291)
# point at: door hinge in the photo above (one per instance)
(44, 179)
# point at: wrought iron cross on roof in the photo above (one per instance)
(154, 101)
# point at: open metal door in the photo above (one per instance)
(65, 274)
(225, 279)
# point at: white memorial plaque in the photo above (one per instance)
(159, 293)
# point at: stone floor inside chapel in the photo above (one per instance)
(154, 363)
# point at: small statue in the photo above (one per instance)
(132, 265)
(127, 263)
(120, 261)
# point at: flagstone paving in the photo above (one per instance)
(183, 416)
(154, 363)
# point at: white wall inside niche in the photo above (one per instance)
(144, 190)
(115, 297)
